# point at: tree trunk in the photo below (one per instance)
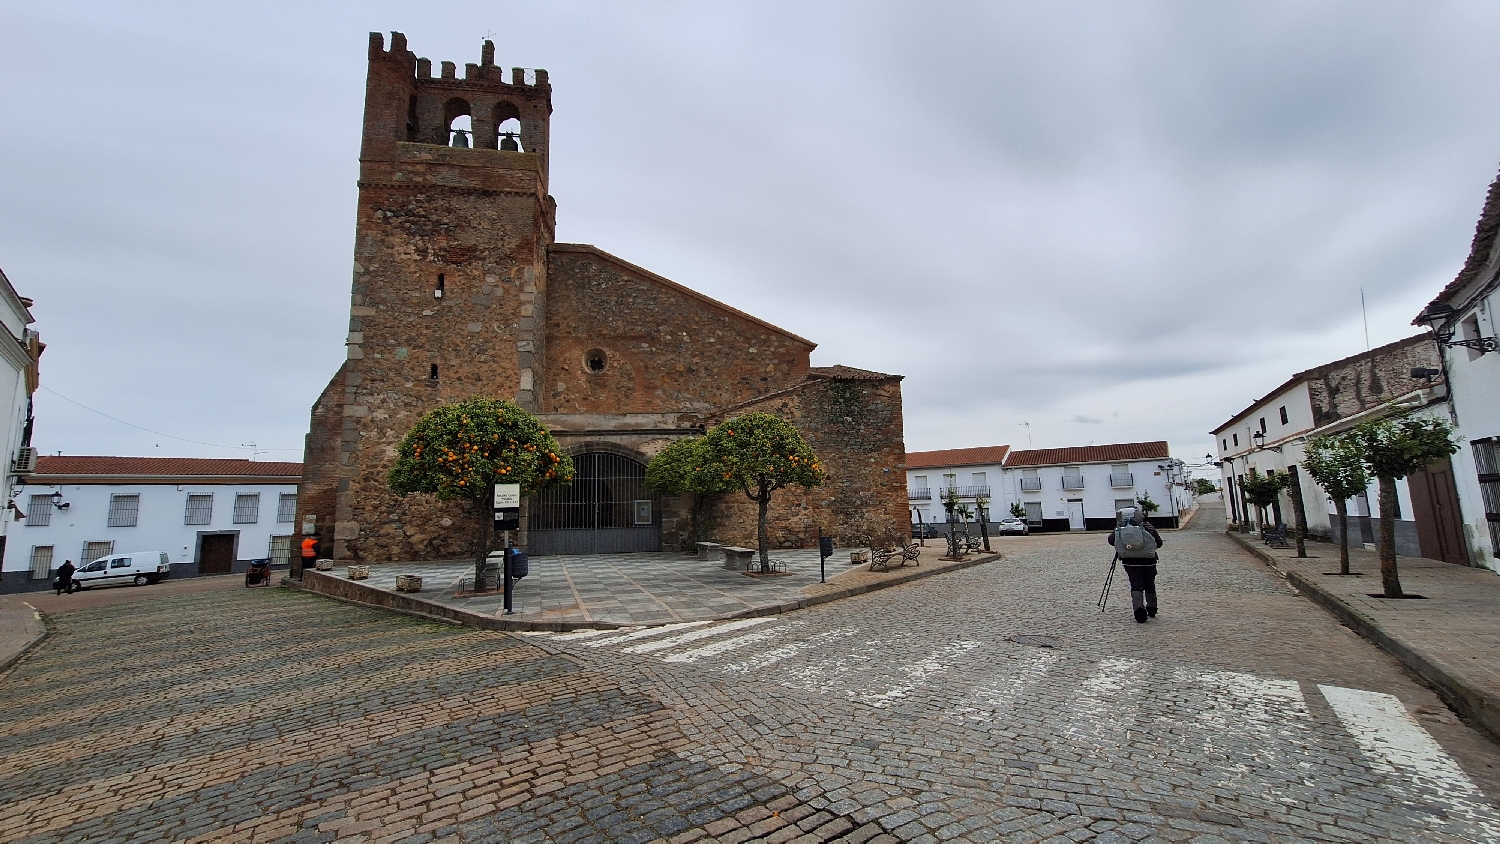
(1388, 575)
(698, 522)
(1341, 507)
(1299, 510)
(1276, 512)
(482, 540)
(761, 535)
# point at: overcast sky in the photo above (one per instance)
(1112, 221)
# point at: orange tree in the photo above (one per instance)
(683, 468)
(758, 454)
(461, 450)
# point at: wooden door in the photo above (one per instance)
(1434, 500)
(217, 554)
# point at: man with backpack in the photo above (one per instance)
(1136, 541)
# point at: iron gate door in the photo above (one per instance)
(605, 510)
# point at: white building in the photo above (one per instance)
(1077, 488)
(1465, 327)
(210, 516)
(1272, 434)
(20, 349)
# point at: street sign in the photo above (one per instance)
(507, 496)
(508, 518)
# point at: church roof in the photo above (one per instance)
(667, 282)
(849, 373)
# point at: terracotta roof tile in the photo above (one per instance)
(1112, 453)
(848, 373)
(165, 466)
(985, 455)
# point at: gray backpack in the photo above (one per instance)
(1132, 542)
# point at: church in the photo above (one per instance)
(459, 290)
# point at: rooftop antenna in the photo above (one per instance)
(1364, 315)
(1028, 433)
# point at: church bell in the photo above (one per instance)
(460, 138)
(508, 142)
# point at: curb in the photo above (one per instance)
(1463, 698)
(36, 641)
(360, 595)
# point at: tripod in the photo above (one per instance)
(1108, 582)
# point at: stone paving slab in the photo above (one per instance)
(617, 590)
(1450, 637)
(21, 629)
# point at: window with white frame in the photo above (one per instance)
(41, 561)
(1122, 503)
(1033, 512)
(124, 510)
(286, 508)
(247, 508)
(1072, 477)
(200, 509)
(96, 549)
(1031, 481)
(950, 482)
(39, 511)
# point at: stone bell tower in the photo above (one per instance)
(449, 291)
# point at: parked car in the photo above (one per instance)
(925, 530)
(136, 567)
(1014, 526)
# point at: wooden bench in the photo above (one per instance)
(737, 559)
(882, 558)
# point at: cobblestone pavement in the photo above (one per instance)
(918, 713)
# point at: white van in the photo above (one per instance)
(137, 567)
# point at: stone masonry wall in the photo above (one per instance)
(1362, 382)
(664, 347)
(854, 425)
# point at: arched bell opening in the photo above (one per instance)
(508, 127)
(460, 125)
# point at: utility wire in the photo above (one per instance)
(159, 433)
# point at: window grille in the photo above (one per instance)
(281, 550)
(286, 508)
(41, 561)
(39, 511)
(1072, 478)
(200, 509)
(124, 510)
(247, 508)
(1487, 466)
(94, 550)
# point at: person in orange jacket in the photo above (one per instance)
(310, 549)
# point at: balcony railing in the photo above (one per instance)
(979, 491)
(918, 495)
(1031, 484)
(1072, 482)
(1121, 479)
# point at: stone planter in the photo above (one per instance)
(408, 583)
(359, 572)
(324, 565)
(857, 557)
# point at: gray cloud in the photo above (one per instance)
(1087, 420)
(1151, 213)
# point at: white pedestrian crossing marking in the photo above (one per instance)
(916, 674)
(1420, 769)
(693, 636)
(649, 632)
(787, 651)
(993, 697)
(734, 644)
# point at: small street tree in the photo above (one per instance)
(1017, 510)
(684, 468)
(1393, 448)
(1147, 504)
(1265, 490)
(1335, 462)
(461, 450)
(1204, 486)
(758, 454)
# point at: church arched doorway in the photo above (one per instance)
(605, 510)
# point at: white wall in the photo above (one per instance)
(1474, 384)
(159, 526)
(1098, 495)
(932, 508)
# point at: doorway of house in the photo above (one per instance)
(216, 553)
(1434, 502)
(1075, 514)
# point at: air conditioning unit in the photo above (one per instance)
(25, 460)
